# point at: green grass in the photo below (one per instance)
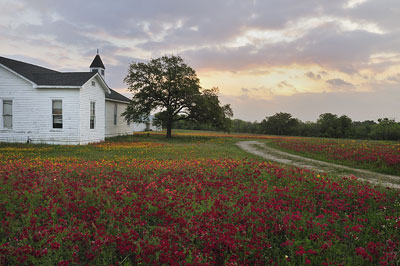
(178, 147)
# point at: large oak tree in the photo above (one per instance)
(170, 87)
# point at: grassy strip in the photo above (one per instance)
(138, 146)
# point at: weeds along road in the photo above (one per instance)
(268, 153)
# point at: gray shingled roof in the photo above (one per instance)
(97, 62)
(63, 79)
(26, 70)
(47, 77)
(116, 96)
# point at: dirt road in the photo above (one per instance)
(266, 152)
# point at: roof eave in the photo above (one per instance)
(119, 101)
(56, 87)
(19, 75)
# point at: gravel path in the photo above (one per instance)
(262, 150)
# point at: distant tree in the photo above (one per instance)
(280, 124)
(328, 125)
(361, 130)
(237, 126)
(386, 129)
(308, 129)
(241, 126)
(344, 126)
(170, 86)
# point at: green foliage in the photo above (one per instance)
(332, 126)
(361, 130)
(328, 126)
(170, 86)
(386, 129)
(245, 127)
(279, 124)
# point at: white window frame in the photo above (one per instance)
(92, 115)
(115, 116)
(2, 120)
(93, 83)
(52, 114)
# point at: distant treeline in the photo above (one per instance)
(328, 125)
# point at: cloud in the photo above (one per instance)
(116, 72)
(313, 76)
(326, 46)
(261, 92)
(394, 78)
(323, 73)
(285, 85)
(203, 31)
(359, 106)
(360, 39)
(384, 13)
(339, 83)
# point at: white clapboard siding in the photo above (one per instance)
(122, 127)
(90, 93)
(32, 112)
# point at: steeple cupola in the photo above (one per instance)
(97, 65)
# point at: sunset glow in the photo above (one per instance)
(264, 56)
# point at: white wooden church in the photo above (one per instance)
(40, 105)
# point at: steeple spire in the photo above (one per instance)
(97, 65)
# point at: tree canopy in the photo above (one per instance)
(172, 88)
(279, 124)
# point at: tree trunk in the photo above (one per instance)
(169, 129)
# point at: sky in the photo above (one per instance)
(303, 57)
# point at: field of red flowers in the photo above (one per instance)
(381, 156)
(72, 211)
